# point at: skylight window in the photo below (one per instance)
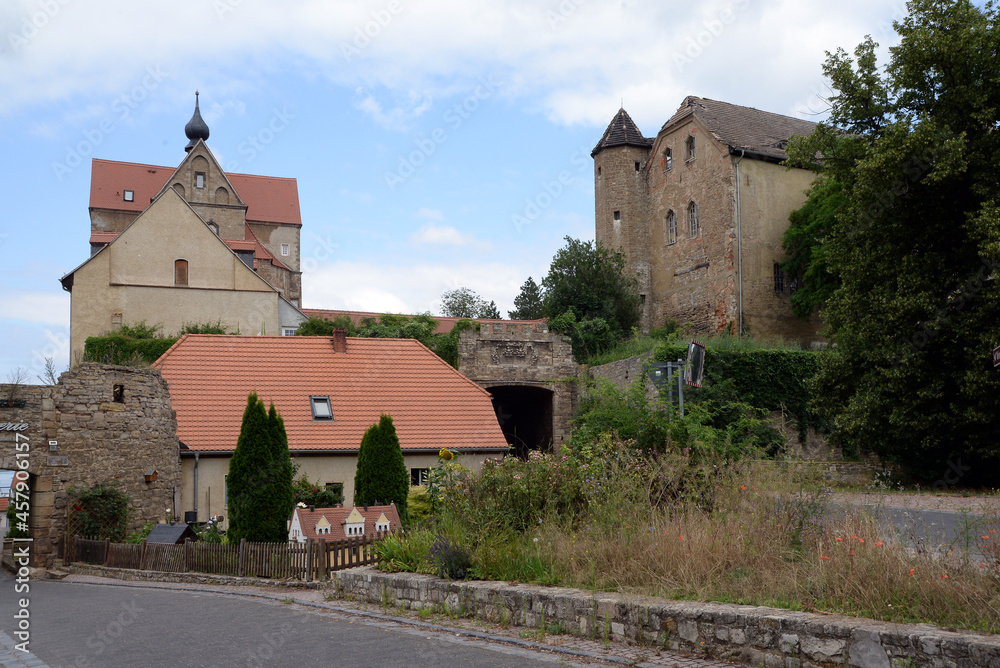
(321, 409)
(128, 196)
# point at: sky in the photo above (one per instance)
(437, 144)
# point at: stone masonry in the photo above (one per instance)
(505, 355)
(100, 424)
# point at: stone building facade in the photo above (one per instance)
(100, 424)
(532, 376)
(699, 212)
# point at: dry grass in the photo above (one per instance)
(761, 547)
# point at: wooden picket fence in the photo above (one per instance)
(312, 560)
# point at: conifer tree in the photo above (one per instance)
(381, 474)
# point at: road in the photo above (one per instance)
(102, 625)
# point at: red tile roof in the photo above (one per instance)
(336, 516)
(444, 323)
(269, 199)
(432, 405)
(5, 501)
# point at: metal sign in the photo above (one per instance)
(996, 357)
(694, 370)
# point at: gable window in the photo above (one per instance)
(212, 225)
(668, 159)
(671, 227)
(128, 195)
(199, 180)
(180, 272)
(689, 145)
(284, 249)
(779, 278)
(321, 408)
(693, 219)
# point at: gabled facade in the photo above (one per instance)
(168, 267)
(700, 211)
(333, 524)
(328, 392)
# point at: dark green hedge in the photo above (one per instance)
(768, 379)
(124, 350)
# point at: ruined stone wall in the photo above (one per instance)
(495, 356)
(82, 433)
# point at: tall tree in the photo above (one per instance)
(914, 245)
(381, 475)
(259, 481)
(528, 304)
(461, 303)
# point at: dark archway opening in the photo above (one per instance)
(525, 416)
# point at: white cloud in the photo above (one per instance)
(446, 235)
(37, 307)
(574, 61)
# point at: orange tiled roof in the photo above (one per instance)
(432, 405)
(4, 502)
(269, 199)
(444, 323)
(336, 516)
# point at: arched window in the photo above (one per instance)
(689, 144)
(180, 272)
(671, 227)
(693, 219)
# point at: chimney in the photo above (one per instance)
(340, 340)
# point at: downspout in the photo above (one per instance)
(739, 247)
(196, 487)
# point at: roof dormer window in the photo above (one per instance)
(128, 196)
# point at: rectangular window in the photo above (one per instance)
(419, 476)
(618, 216)
(321, 408)
(690, 147)
(118, 394)
(199, 180)
(671, 227)
(288, 331)
(636, 166)
(284, 249)
(180, 272)
(129, 196)
(668, 160)
(779, 278)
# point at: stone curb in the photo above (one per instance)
(761, 636)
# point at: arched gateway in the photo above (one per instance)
(532, 376)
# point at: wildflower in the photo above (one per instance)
(822, 557)
(986, 537)
(878, 543)
(742, 487)
(536, 540)
(680, 538)
(840, 540)
(911, 571)
(944, 577)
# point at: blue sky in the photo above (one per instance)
(436, 144)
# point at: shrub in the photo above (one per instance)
(101, 511)
(381, 475)
(449, 559)
(311, 494)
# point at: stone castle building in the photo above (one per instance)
(186, 245)
(699, 211)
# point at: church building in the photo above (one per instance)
(187, 245)
(699, 212)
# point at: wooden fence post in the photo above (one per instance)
(242, 557)
(309, 559)
(142, 555)
(324, 560)
(187, 542)
(107, 551)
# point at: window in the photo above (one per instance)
(637, 166)
(180, 272)
(199, 180)
(118, 394)
(598, 172)
(321, 408)
(419, 476)
(779, 278)
(337, 488)
(693, 219)
(642, 300)
(129, 196)
(689, 144)
(284, 249)
(214, 227)
(668, 159)
(618, 216)
(671, 227)
(288, 331)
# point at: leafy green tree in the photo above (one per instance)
(489, 311)
(260, 477)
(912, 149)
(381, 475)
(466, 303)
(528, 304)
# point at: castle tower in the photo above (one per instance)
(621, 197)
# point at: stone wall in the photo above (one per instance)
(99, 424)
(623, 373)
(759, 636)
(498, 356)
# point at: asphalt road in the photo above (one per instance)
(101, 625)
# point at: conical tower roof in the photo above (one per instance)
(622, 131)
(196, 128)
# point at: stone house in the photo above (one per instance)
(341, 523)
(187, 245)
(328, 392)
(699, 211)
(99, 424)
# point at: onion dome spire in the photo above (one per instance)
(196, 128)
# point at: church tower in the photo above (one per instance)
(621, 196)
